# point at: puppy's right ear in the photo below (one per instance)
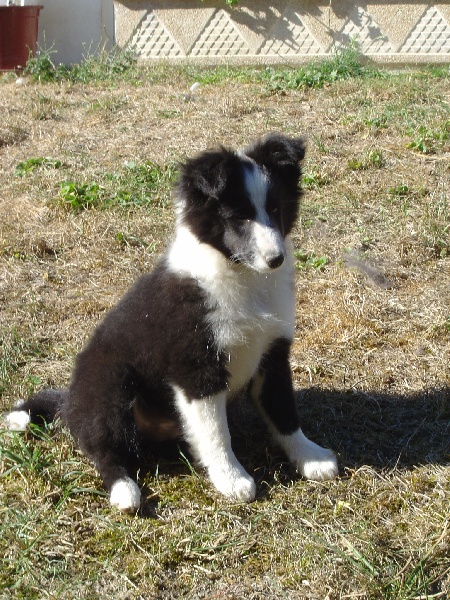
(204, 177)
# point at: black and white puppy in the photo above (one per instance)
(215, 317)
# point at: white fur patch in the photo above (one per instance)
(188, 257)
(268, 245)
(17, 420)
(256, 181)
(312, 461)
(266, 239)
(125, 495)
(206, 429)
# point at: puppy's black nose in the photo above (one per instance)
(275, 261)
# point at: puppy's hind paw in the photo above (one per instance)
(125, 495)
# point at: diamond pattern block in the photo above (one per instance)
(220, 38)
(152, 40)
(430, 35)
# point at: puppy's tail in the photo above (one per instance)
(41, 408)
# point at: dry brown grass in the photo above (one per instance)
(370, 359)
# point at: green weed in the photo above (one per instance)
(371, 159)
(309, 260)
(169, 114)
(138, 185)
(142, 184)
(345, 64)
(79, 196)
(22, 455)
(314, 179)
(400, 190)
(126, 239)
(100, 66)
(427, 140)
(29, 166)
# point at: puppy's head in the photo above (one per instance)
(244, 203)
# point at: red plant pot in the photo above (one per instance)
(18, 35)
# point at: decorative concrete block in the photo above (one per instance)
(431, 34)
(288, 31)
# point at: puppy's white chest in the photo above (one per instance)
(245, 324)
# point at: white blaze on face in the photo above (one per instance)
(269, 248)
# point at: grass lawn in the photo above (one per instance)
(87, 161)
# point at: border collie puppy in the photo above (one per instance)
(214, 318)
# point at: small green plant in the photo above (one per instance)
(378, 121)
(428, 140)
(447, 324)
(139, 185)
(309, 260)
(399, 190)
(41, 67)
(104, 66)
(371, 159)
(127, 239)
(169, 114)
(314, 179)
(145, 183)
(99, 66)
(345, 64)
(29, 166)
(80, 196)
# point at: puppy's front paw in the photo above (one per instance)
(234, 484)
(125, 495)
(316, 463)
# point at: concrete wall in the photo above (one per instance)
(284, 31)
(256, 31)
(75, 28)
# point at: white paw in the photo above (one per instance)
(310, 460)
(316, 463)
(17, 420)
(234, 484)
(125, 495)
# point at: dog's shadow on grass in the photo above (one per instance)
(381, 430)
(378, 429)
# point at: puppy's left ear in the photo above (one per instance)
(278, 151)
